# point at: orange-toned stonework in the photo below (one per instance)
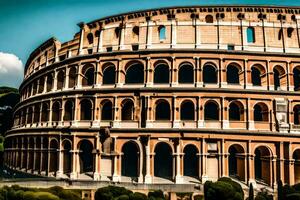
(165, 95)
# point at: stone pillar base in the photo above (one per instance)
(251, 125)
(116, 178)
(140, 179)
(253, 183)
(149, 84)
(59, 174)
(96, 176)
(204, 178)
(148, 179)
(119, 85)
(176, 124)
(200, 124)
(149, 124)
(116, 124)
(226, 124)
(178, 179)
(73, 175)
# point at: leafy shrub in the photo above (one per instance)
(198, 197)
(294, 196)
(64, 194)
(137, 196)
(156, 194)
(110, 192)
(264, 195)
(237, 187)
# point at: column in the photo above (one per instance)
(149, 77)
(100, 40)
(34, 154)
(178, 177)
(50, 111)
(222, 74)
(173, 32)
(224, 114)
(149, 34)
(75, 152)
(197, 72)
(79, 77)
(274, 171)
(249, 115)
(174, 79)
(200, 121)
(55, 81)
(175, 112)
(117, 121)
(251, 169)
(59, 173)
(116, 176)
(204, 154)
(290, 77)
(149, 119)
(122, 36)
(148, 177)
(66, 81)
(45, 85)
(119, 70)
(96, 174)
(81, 25)
(197, 33)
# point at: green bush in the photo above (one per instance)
(237, 187)
(224, 189)
(198, 197)
(137, 196)
(264, 195)
(64, 194)
(294, 196)
(111, 192)
(156, 194)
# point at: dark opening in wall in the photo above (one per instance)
(211, 111)
(107, 111)
(109, 75)
(210, 74)
(162, 111)
(161, 74)
(209, 19)
(90, 38)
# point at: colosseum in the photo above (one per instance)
(172, 95)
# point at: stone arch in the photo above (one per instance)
(86, 109)
(134, 73)
(210, 73)
(278, 77)
(163, 160)
(130, 159)
(56, 111)
(37, 157)
(88, 72)
(296, 157)
(107, 110)
(236, 111)
(233, 73)
(86, 156)
(211, 110)
(162, 110)
(31, 153)
(191, 161)
(37, 112)
(29, 114)
(72, 77)
(262, 164)
(187, 110)
(261, 112)
(60, 79)
(49, 82)
(69, 110)
(53, 166)
(109, 74)
(41, 84)
(186, 73)
(127, 112)
(45, 112)
(90, 38)
(161, 73)
(162, 32)
(296, 76)
(257, 72)
(236, 162)
(25, 153)
(296, 113)
(67, 156)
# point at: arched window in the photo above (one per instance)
(261, 112)
(296, 111)
(69, 110)
(56, 112)
(161, 73)
(235, 162)
(60, 79)
(45, 112)
(136, 30)
(162, 110)
(86, 110)
(191, 161)
(162, 32)
(88, 76)
(130, 159)
(163, 160)
(209, 19)
(278, 77)
(186, 74)
(90, 38)
(256, 76)
(107, 111)
(127, 110)
(296, 76)
(232, 74)
(250, 35)
(135, 74)
(210, 74)
(109, 75)
(41, 84)
(72, 77)
(211, 111)
(49, 83)
(236, 112)
(37, 111)
(86, 156)
(187, 111)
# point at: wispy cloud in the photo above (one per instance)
(11, 70)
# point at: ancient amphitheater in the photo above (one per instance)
(170, 95)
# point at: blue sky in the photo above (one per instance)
(24, 24)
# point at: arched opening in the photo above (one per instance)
(236, 111)
(67, 157)
(191, 161)
(162, 32)
(163, 161)
(88, 75)
(296, 111)
(86, 156)
(261, 112)
(107, 111)
(186, 74)
(56, 112)
(72, 77)
(262, 164)
(69, 110)
(127, 110)
(30, 154)
(296, 76)
(60, 79)
(90, 38)
(162, 110)
(250, 35)
(161, 74)
(278, 77)
(296, 157)
(37, 111)
(210, 74)
(109, 75)
(236, 162)
(86, 109)
(29, 115)
(130, 160)
(53, 167)
(187, 111)
(45, 154)
(211, 111)
(209, 19)
(49, 83)
(25, 153)
(45, 112)
(135, 74)
(233, 74)
(256, 75)
(41, 84)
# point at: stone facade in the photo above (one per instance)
(162, 96)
